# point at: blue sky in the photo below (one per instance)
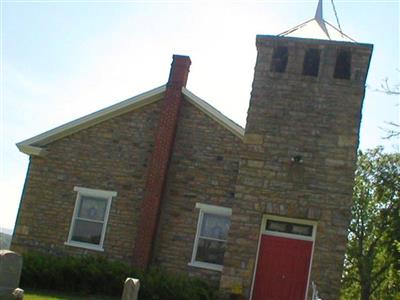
(64, 59)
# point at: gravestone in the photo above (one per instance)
(10, 273)
(131, 289)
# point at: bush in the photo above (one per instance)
(86, 275)
(159, 285)
(82, 274)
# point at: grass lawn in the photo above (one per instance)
(52, 295)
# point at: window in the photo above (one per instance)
(343, 64)
(279, 59)
(212, 233)
(90, 217)
(288, 227)
(311, 62)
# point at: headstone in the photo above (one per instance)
(10, 273)
(131, 289)
(18, 294)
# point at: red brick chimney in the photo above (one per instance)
(157, 170)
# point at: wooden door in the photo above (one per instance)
(282, 269)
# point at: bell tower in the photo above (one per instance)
(296, 175)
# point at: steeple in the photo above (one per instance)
(320, 20)
(318, 27)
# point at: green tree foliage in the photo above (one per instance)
(372, 264)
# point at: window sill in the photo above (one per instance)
(84, 245)
(208, 266)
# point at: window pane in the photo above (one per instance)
(277, 226)
(215, 226)
(87, 232)
(302, 230)
(210, 251)
(92, 208)
(287, 227)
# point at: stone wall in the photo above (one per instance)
(203, 169)
(112, 155)
(317, 119)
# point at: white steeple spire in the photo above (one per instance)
(318, 21)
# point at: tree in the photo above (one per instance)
(372, 263)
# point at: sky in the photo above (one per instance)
(61, 60)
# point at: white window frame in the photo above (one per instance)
(210, 209)
(312, 223)
(81, 191)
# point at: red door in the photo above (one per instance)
(282, 269)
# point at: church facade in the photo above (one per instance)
(165, 179)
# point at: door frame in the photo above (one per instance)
(263, 231)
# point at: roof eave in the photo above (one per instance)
(31, 150)
(31, 145)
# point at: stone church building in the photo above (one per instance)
(165, 179)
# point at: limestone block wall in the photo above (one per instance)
(112, 155)
(317, 119)
(203, 169)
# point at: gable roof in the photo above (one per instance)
(213, 113)
(33, 146)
